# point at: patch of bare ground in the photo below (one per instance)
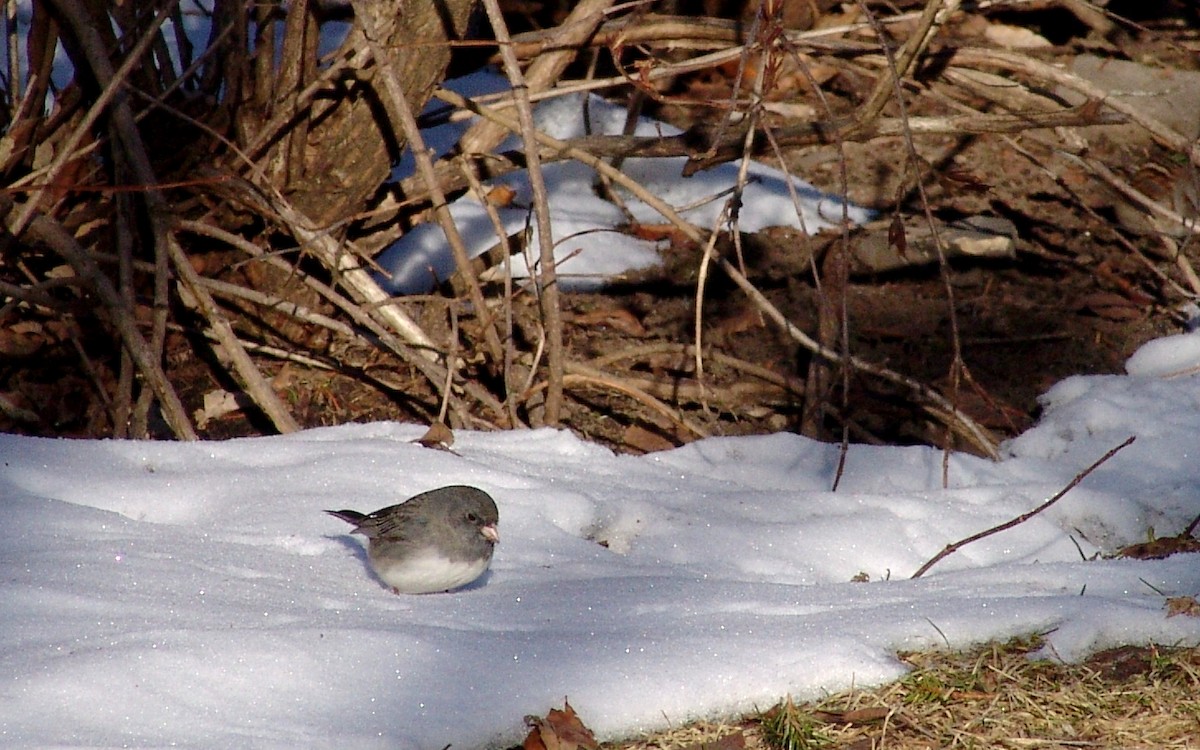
(996, 696)
(256, 326)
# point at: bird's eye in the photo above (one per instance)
(472, 518)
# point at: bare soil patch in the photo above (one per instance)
(997, 696)
(1087, 280)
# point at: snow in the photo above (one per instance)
(589, 245)
(195, 595)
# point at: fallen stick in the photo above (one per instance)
(952, 548)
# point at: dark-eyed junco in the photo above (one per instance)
(436, 541)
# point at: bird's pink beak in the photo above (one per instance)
(491, 534)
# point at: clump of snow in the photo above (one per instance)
(1166, 356)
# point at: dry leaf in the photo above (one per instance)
(21, 340)
(962, 180)
(617, 318)
(658, 233)
(217, 404)
(560, 730)
(855, 716)
(745, 318)
(501, 196)
(1110, 306)
(1159, 548)
(1183, 605)
(639, 438)
(438, 436)
(12, 406)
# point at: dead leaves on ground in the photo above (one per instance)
(564, 730)
(1162, 547)
(1183, 605)
(559, 730)
(980, 698)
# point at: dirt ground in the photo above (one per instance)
(1081, 289)
(995, 696)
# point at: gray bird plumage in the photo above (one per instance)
(436, 541)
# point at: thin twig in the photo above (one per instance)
(401, 110)
(952, 548)
(579, 374)
(432, 371)
(255, 383)
(64, 152)
(903, 62)
(129, 148)
(1191, 527)
(341, 258)
(166, 247)
(547, 274)
(787, 135)
(452, 359)
(1171, 138)
(60, 240)
(277, 304)
(511, 371)
(570, 36)
(898, 66)
(978, 436)
(783, 382)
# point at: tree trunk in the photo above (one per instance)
(343, 143)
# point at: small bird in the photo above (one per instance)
(436, 541)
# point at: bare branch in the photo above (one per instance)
(951, 548)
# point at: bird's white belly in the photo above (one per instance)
(427, 573)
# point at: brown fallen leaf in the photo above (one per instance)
(617, 318)
(13, 406)
(560, 730)
(963, 180)
(218, 404)
(1110, 306)
(745, 318)
(501, 196)
(636, 436)
(855, 716)
(1015, 37)
(659, 233)
(1183, 605)
(1159, 548)
(438, 436)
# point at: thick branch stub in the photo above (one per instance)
(349, 148)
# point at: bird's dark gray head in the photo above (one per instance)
(461, 504)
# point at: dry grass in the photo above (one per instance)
(994, 697)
